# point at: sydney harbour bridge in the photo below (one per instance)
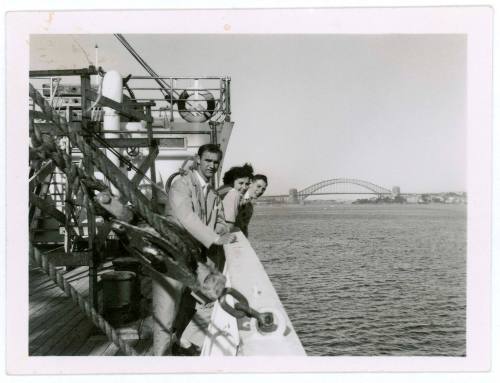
(331, 187)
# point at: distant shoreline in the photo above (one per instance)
(350, 203)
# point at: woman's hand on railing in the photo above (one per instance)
(225, 239)
(221, 228)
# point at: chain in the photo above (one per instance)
(241, 309)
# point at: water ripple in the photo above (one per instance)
(368, 280)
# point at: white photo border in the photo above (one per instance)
(475, 22)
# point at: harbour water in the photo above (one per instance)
(368, 279)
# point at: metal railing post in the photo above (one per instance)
(93, 292)
(171, 100)
(227, 80)
(152, 168)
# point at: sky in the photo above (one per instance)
(388, 109)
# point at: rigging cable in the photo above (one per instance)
(165, 88)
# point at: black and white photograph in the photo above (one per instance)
(279, 194)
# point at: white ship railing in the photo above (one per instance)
(230, 336)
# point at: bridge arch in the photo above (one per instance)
(310, 190)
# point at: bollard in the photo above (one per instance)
(118, 297)
(133, 265)
(127, 264)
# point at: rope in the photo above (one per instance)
(164, 87)
(141, 204)
(131, 166)
(180, 245)
(58, 277)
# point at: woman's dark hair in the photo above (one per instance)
(260, 177)
(237, 172)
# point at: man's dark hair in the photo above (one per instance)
(260, 177)
(212, 148)
(237, 172)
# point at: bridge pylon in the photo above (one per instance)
(293, 196)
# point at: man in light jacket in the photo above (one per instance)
(194, 204)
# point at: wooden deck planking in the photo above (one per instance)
(40, 301)
(36, 288)
(41, 287)
(57, 325)
(96, 344)
(41, 340)
(38, 280)
(51, 296)
(60, 339)
(86, 347)
(71, 342)
(47, 317)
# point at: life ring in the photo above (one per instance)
(191, 114)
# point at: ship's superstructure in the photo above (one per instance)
(104, 149)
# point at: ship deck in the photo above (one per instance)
(59, 327)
